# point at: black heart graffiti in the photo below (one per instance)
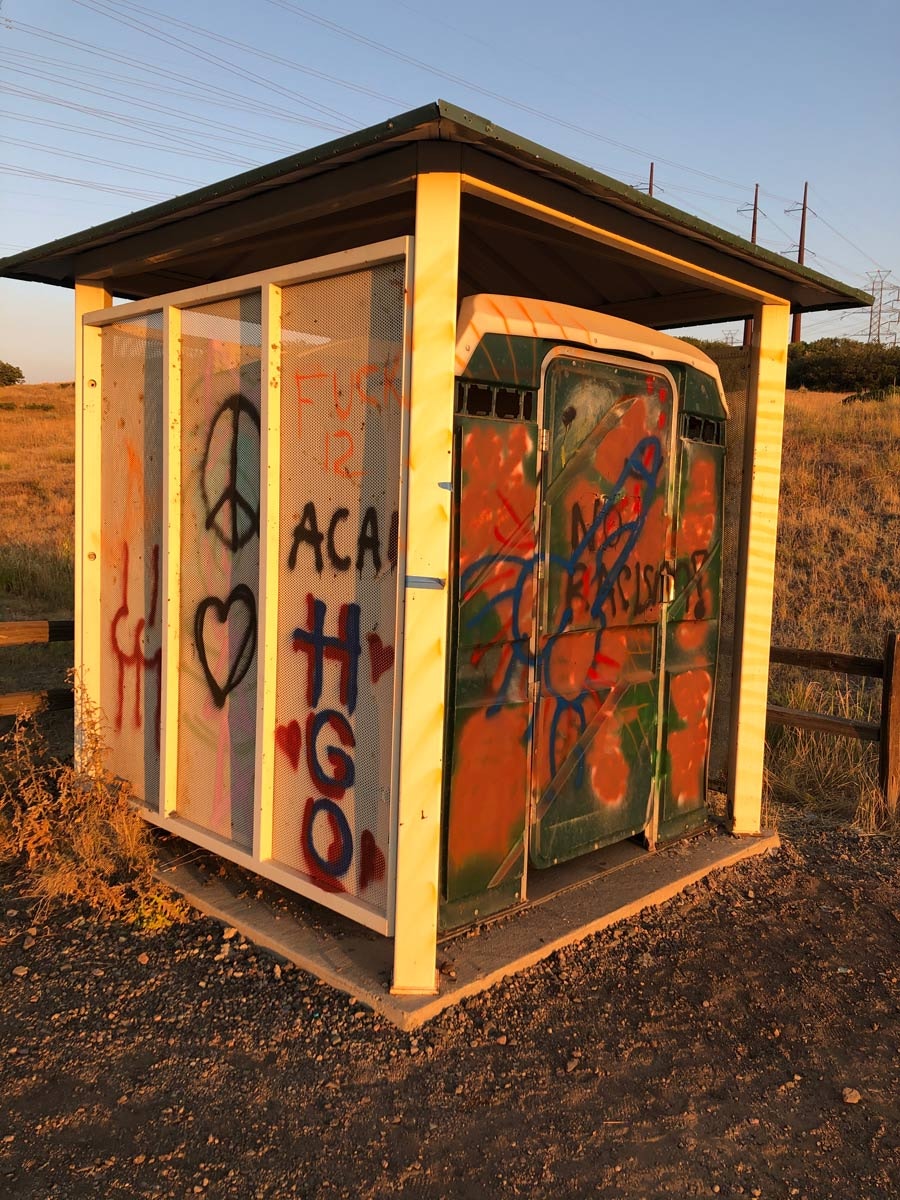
(239, 663)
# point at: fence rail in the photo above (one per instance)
(886, 732)
(30, 633)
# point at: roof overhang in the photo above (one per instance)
(533, 224)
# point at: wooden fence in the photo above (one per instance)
(26, 633)
(886, 733)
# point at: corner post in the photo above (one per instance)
(88, 385)
(435, 275)
(269, 518)
(171, 560)
(756, 566)
(889, 742)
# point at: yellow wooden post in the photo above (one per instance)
(756, 565)
(88, 567)
(171, 555)
(270, 499)
(427, 564)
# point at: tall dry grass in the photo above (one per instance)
(75, 833)
(37, 530)
(37, 483)
(837, 588)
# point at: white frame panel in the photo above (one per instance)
(88, 432)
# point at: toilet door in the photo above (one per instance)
(604, 545)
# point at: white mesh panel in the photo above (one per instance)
(341, 427)
(131, 547)
(220, 456)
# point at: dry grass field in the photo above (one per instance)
(837, 588)
(37, 480)
(837, 574)
(838, 567)
(37, 530)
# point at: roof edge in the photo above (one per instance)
(373, 135)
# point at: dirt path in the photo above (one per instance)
(702, 1050)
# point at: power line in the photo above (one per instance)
(101, 162)
(31, 173)
(120, 97)
(101, 8)
(202, 92)
(174, 131)
(267, 55)
(107, 135)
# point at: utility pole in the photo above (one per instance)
(650, 186)
(748, 324)
(801, 253)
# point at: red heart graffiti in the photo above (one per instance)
(287, 738)
(371, 861)
(381, 656)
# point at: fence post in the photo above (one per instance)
(889, 746)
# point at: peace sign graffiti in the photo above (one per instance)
(234, 435)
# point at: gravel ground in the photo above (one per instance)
(743, 1040)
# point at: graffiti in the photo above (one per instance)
(371, 861)
(375, 386)
(308, 532)
(237, 662)
(326, 870)
(381, 657)
(342, 765)
(344, 649)
(340, 561)
(641, 465)
(131, 657)
(330, 762)
(578, 683)
(580, 527)
(229, 514)
(689, 576)
(331, 767)
(289, 741)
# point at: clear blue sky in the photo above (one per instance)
(720, 95)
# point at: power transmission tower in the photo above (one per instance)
(884, 315)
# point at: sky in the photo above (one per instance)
(109, 106)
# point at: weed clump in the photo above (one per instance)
(75, 832)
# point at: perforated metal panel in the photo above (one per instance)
(220, 457)
(131, 525)
(342, 424)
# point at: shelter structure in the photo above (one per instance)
(329, 412)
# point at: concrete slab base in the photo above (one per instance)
(356, 961)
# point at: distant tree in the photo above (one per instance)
(842, 365)
(10, 374)
(828, 365)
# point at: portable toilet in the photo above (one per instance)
(588, 471)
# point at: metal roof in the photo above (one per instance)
(360, 188)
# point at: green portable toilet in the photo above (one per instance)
(587, 540)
